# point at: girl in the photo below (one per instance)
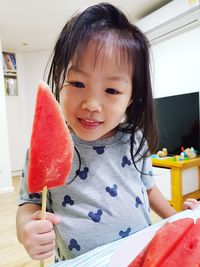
(100, 75)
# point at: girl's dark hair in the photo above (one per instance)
(103, 23)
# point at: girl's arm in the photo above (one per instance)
(159, 204)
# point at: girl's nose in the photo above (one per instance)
(92, 105)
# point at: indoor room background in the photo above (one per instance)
(175, 70)
(175, 65)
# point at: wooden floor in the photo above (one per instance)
(12, 253)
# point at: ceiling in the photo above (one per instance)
(32, 25)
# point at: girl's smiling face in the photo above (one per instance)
(96, 94)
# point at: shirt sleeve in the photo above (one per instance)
(147, 173)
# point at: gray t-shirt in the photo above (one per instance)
(106, 201)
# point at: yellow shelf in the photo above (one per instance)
(169, 163)
(176, 168)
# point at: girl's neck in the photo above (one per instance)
(100, 142)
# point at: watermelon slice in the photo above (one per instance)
(187, 253)
(51, 146)
(165, 241)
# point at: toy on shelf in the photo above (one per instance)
(162, 153)
(186, 154)
(189, 153)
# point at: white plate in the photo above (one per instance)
(127, 252)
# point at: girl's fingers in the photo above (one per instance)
(42, 251)
(47, 247)
(46, 238)
(54, 219)
(45, 255)
(190, 203)
(193, 200)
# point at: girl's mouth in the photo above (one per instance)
(89, 124)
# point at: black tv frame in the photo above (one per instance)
(178, 118)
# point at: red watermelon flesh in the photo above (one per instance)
(165, 241)
(187, 253)
(51, 146)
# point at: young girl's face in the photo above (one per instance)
(96, 94)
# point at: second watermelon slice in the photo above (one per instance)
(187, 252)
(162, 249)
(165, 241)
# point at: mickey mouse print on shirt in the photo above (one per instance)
(112, 190)
(125, 233)
(73, 244)
(67, 201)
(125, 161)
(138, 202)
(83, 174)
(95, 216)
(99, 149)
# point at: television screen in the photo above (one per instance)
(178, 122)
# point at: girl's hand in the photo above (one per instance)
(39, 236)
(191, 203)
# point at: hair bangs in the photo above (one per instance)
(108, 43)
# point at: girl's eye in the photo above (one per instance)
(77, 84)
(111, 91)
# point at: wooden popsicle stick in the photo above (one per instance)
(43, 213)
(44, 203)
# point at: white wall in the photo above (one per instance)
(31, 67)
(5, 170)
(15, 133)
(176, 64)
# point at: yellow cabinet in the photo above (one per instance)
(184, 179)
